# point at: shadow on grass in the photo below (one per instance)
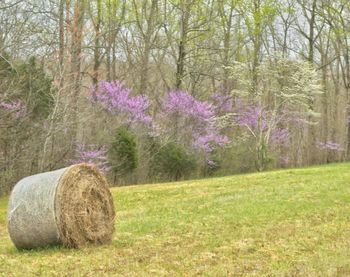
(51, 249)
(12, 250)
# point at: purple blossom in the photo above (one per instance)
(17, 107)
(199, 116)
(330, 145)
(222, 102)
(252, 116)
(116, 98)
(208, 141)
(91, 154)
(211, 163)
(10, 106)
(181, 102)
(260, 120)
(138, 106)
(280, 136)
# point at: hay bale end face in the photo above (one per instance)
(71, 206)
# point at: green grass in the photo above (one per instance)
(282, 223)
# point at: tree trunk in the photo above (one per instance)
(180, 64)
(147, 48)
(97, 55)
(76, 49)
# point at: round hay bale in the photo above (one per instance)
(71, 206)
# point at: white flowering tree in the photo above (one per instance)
(283, 102)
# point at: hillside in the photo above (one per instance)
(291, 222)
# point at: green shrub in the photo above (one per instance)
(35, 89)
(171, 162)
(123, 153)
(28, 82)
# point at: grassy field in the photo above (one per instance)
(282, 223)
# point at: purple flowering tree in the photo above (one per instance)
(222, 102)
(115, 98)
(193, 119)
(91, 154)
(118, 101)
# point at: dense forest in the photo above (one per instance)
(156, 90)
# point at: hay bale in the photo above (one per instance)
(71, 206)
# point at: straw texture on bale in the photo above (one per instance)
(71, 206)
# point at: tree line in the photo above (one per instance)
(158, 90)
